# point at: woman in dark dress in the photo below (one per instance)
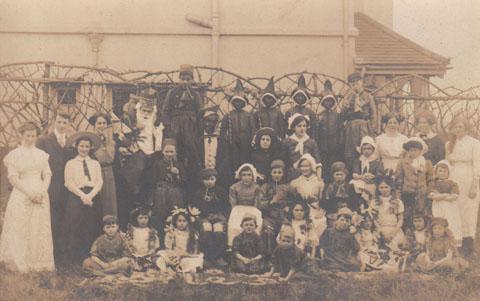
(266, 149)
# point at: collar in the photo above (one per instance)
(58, 135)
(79, 158)
(313, 175)
(214, 134)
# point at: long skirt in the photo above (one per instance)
(450, 212)
(108, 194)
(82, 226)
(165, 198)
(235, 220)
(355, 130)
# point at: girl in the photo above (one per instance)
(462, 153)
(425, 123)
(390, 143)
(367, 167)
(339, 193)
(388, 214)
(307, 185)
(367, 239)
(83, 179)
(413, 176)
(181, 245)
(248, 249)
(26, 241)
(142, 240)
(274, 206)
(444, 194)
(305, 236)
(266, 148)
(245, 196)
(441, 253)
(106, 156)
(169, 176)
(298, 144)
(416, 237)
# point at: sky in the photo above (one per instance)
(448, 27)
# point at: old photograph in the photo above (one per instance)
(239, 150)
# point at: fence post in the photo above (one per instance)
(45, 97)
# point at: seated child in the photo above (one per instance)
(109, 253)
(248, 248)
(444, 193)
(441, 252)
(340, 193)
(308, 184)
(369, 254)
(274, 207)
(338, 247)
(287, 258)
(245, 196)
(306, 238)
(181, 245)
(412, 177)
(142, 239)
(388, 214)
(416, 237)
(212, 202)
(367, 167)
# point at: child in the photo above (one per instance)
(388, 214)
(301, 97)
(142, 240)
(306, 238)
(307, 185)
(287, 257)
(329, 128)
(367, 167)
(213, 204)
(268, 113)
(444, 193)
(266, 148)
(181, 245)
(237, 128)
(169, 175)
(245, 196)
(416, 237)
(110, 253)
(274, 205)
(299, 144)
(367, 238)
(338, 247)
(412, 177)
(441, 253)
(248, 249)
(339, 193)
(83, 179)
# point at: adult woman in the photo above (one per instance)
(83, 179)
(26, 242)
(462, 153)
(105, 155)
(425, 122)
(390, 143)
(266, 148)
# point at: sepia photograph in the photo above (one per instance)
(239, 150)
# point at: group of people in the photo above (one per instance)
(181, 189)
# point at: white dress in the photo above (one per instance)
(465, 167)
(26, 241)
(390, 148)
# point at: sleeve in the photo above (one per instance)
(259, 196)
(399, 174)
(455, 188)
(12, 168)
(429, 172)
(125, 249)
(94, 249)
(324, 239)
(476, 159)
(169, 240)
(281, 125)
(401, 207)
(69, 177)
(262, 250)
(236, 245)
(264, 202)
(431, 187)
(98, 178)
(441, 154)
(355, 245)
(316, 153)
(46, 168)
(380, 170)
(166, 109)
(233, 196)
(357, 166)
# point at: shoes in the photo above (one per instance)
(221, 263)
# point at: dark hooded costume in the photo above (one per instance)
(269, 115)
(302, 108)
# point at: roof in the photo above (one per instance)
(383, 51)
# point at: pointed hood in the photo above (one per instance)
(301, 88)
(239, 92)
(270, 91)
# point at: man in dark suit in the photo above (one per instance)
(59, 153)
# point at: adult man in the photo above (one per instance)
(54, 144)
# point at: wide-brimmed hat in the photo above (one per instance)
(95, 139)
(416, 142)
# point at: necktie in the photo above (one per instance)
(86, 172)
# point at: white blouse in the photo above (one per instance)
(466, 151)
(390, 148)
(75, 177)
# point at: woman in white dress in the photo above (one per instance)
(390, 143)
(463, 154)
(26, 241)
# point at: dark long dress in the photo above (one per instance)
(329, 139)
(270, 117)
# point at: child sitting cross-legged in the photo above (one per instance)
(441, 252)
(110, 253)
(248, 248)
(142, 239)
(338, 247)
(181, 243)
(416, 237)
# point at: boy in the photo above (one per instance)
(248, 249)
(338, 247)
(110, 253)
(212, 201)
(268, 113)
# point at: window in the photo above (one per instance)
(66, 93)
(120, 95)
